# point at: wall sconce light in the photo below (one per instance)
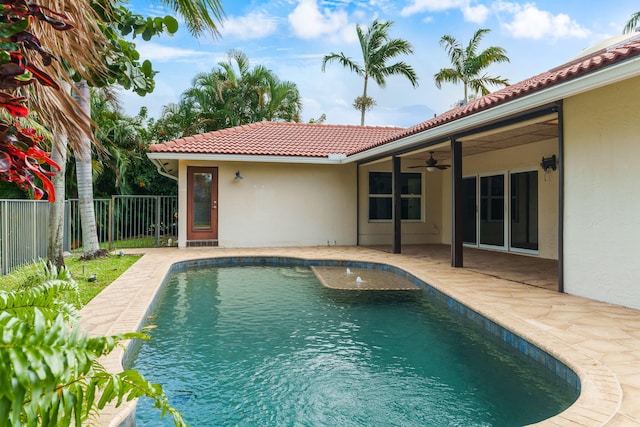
(548, 163)
(238, 176)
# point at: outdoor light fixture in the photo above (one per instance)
(548, 163)
(238, 176)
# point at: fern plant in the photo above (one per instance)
(49, 369)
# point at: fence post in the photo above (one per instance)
(34, 240)
(3, 244)
(157, 221)
(110, 231)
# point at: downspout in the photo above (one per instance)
(560, 197)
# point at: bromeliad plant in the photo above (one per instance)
(49, 369)
(21, 159)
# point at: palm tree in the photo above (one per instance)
(377, 49)
(84, 177)
(282, 100)
(632, 24)
(198, 15)
(467, 64)
(233, 94)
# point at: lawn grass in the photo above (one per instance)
(107, 269)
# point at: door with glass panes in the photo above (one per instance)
(202, 201)
(500, 211)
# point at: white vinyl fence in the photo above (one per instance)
(121, 222)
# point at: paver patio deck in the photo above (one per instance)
(600, 342)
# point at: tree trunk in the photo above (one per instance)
(90, 244)
(55, 249)
(363, 107)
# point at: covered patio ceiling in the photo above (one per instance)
(527, 132)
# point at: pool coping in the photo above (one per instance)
(123, 307)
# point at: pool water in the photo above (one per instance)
(269, 346)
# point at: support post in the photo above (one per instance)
(456, 204)
(397, 204)
(560, 197)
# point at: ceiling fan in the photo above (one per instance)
(431, 164)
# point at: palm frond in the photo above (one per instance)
(79, 49)
(632, 23)
(343, 60)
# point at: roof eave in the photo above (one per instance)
(248, 158)
(594, 80)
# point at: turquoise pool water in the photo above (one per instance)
(269, 346)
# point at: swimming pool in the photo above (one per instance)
(270, 346)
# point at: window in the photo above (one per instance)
(381, 196)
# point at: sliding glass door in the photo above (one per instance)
(500, 211)
(524, 210)
(492, 226)
(469, 210)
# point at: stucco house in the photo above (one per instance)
(547, 167)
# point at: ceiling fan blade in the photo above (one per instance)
(416, 167)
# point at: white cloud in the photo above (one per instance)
(529, 22)
(251, 26)
(418, 6)
(159, 53)
(477, 14)
(309, 22)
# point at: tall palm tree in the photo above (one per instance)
(632, 24)
(467, 64)
(84, 177)
(377, 49)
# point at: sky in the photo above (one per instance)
(291, 37)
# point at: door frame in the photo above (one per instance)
(507, 211)
(210, 235)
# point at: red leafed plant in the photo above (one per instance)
(21, 158)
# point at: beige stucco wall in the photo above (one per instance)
(516, 159)
(602, 194)
(279, 204)
(427, 230)
(436, 224)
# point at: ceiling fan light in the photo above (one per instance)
(431, 168)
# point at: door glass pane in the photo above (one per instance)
(524, 210)
(492, 210)
(469, 219)
(202, 200)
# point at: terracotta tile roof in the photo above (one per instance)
(280, 139)
(555, 76)
(320, 140)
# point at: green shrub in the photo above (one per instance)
(49, 369)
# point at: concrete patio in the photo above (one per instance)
(600, 342)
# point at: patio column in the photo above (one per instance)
(397, 204)
(456, 203)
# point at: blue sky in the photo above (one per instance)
(290, 37)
